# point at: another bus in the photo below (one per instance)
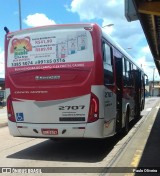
(70, 81)
(2, 98)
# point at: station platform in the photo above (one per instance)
(141, 154)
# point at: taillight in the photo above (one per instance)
(10, 110)
(94, 109)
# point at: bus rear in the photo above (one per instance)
(49, 77)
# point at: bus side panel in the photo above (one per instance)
(110, 112)
(105, 126)
(95, 129)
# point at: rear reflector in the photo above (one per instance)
(22, 127)
(94, 109)
(88, 28)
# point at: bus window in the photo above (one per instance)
(132, 75)
(107, 64)
(126, 72)
(134, 67)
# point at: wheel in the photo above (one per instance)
(142, 106)
(126, 128)
(118, 126)
(138, 113)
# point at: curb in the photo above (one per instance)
(118, 151)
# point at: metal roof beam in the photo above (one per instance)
(150, 8)
(154, 33)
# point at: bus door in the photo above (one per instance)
(119, 89)
(137, 97)
(109, 93)
(142, 90)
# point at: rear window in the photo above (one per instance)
(46, 49)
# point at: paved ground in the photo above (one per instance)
(142, 150)
(3, 116)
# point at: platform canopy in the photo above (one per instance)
(148, 12)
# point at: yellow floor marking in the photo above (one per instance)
(136, 158)
(135, 161)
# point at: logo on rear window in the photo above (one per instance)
(20, 47)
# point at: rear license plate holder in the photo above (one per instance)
(49, 131)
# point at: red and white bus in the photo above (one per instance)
(70, 81)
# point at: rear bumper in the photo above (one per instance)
(89, 130)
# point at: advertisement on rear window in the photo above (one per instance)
(50, 48)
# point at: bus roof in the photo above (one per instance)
(56, 26)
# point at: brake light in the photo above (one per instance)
(94, 109)
(10, 110)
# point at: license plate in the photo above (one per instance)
(49, 131)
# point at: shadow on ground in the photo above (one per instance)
(71, 150)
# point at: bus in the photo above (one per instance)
(2, 97)
(70, 81)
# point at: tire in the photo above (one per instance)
(138, 114)
(126, 128)
(142, 106)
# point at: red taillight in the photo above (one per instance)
(94, 109)
(10, 110)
